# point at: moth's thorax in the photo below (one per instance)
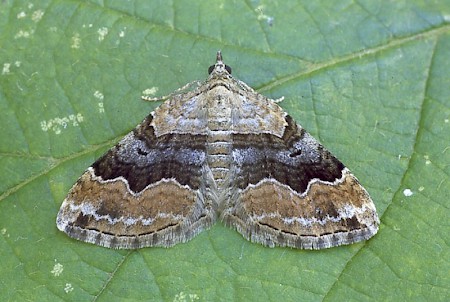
(220, 103)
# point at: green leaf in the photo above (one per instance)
(369, 79)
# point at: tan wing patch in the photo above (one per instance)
(163, 214)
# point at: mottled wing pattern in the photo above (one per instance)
(290, 191)
(145, 191)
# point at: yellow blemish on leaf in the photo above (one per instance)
(150, 91)
(76, 41)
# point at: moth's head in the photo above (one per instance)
(219, 69)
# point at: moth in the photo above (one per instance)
(221, 151)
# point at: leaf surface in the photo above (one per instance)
(369, 79)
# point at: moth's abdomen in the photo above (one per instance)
(219, 143)
(218, 156)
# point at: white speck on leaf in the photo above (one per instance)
(57, 270)
(5, 69)
(98, 95)
(37, 15)
(23, 34)
(122, 32)
(68, 288)
(58, 123)
(182, 297)
(407, 192)
(263, 16)
(102, 32)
